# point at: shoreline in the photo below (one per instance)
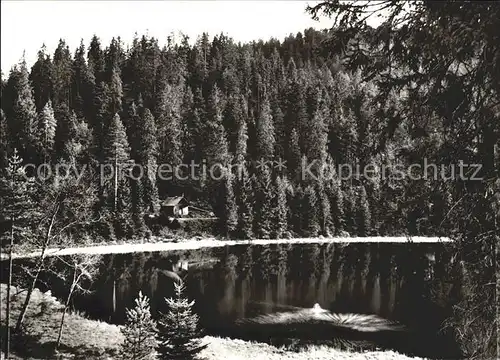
(194, 244)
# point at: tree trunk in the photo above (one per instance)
(59, 335)
(26, 303)
(7, 310)
(38, 271)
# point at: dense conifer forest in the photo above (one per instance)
(422, 88)
(281, 110)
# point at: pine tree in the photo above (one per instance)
(140, 332)
(62, 75)
(325, 220)
(265, 132)
(350, 210)
(280, 208)
(4, 140)
(169, 119)
(188, 126)
(279, 128)
(310, 212)
(148, 158)
(240, 148)
(229, 218)
(23, 117)
(47, 129)
(264, 209)
(294, 157)
(245, 202)
(95, 59)
(178, 329)
(65, 129)
(41, 78)
(363, 213)
(215, 145)
(337, 206)
(82, 85)
(116, 153)
(115, 91)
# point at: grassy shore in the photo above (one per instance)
(89, 339)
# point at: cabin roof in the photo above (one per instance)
(174, 201)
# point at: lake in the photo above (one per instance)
(415, 285)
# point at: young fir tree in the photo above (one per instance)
(140, 332)
(178, 329)
(18, 210)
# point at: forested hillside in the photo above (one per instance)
(218, 102)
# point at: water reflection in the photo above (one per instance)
(389, 281)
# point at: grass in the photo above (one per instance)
(81, 339)
(90, 339)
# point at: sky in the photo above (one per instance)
(26, 25)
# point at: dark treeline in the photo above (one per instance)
(219, 102)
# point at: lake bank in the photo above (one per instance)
(90, 339)
(159, 244)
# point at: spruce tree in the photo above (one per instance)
(240, 148)
(265, 132)
(310, 212)
(280, 208)
(147, 157)
(41, 78)
(178, 329)
(363, 213)
(140, 332)
(82, 85)
(62, 74)
(337, 205)
(4, 140)
(46, 129)
(245, 202)
(350, 209)
(264, 194)
(324, 209)
(23, 118)
(169, 120)
(229, 216)
(95, 59)
(116, 153)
